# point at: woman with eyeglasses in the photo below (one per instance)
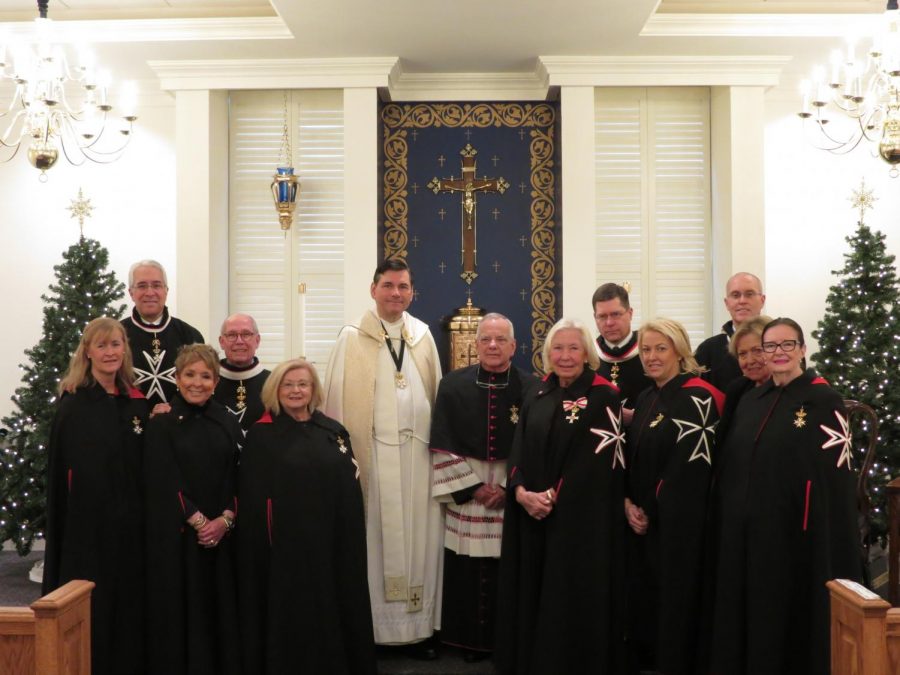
(785, 504)
(190, 474)
(94, 510)
(301, 547)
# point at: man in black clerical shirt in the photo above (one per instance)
(475, 415)
(241, 376)
(744, 300)
(617, 345)
(154, 335)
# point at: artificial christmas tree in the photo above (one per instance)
(859, 348)
(83, 291)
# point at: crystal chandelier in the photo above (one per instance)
(58, 107)
(862, 88)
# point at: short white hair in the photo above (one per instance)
(146, 263)
(587, 342)
(495, 316)
(238, 315)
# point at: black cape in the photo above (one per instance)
(561, 596)
(786, 510)
(713, 353)
(154, 364)
(670, 443)
(301, 546)
(622, 366)
(190, 461)
(246, 405)
(94, 517)
(475, 415)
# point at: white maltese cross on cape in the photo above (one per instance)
(706, 431)
(616, 436)
(839, 437)
(155, 376)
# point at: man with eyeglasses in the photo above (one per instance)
(241, 376)
(475, 414)
(154, 335)
(617, 344)
(744, 300)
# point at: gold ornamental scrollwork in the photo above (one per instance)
(539, 119)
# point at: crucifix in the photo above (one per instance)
(468, 186)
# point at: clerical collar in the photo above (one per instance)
(232, 372)
(488, 379)
(149, 326)
(627, 349)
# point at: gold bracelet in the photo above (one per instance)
(199, 522)
(229, 523)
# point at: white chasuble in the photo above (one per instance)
(404, 532)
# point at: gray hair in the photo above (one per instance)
(235, 316)
(734, 276)
(587, 342)
(495, 316)
(146, 263)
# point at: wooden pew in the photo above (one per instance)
(865, 631)
(52, 637)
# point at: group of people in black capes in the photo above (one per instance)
(657, 519)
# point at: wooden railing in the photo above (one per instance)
(865, 631)
(52, 637)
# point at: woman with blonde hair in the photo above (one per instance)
(94, 509)
(303, 590)
(190, 472)
(560, 592)
(670, 445)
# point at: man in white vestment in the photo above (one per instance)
(380, 383)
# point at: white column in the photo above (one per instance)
(737, 118)
(362, 249)
(577, 203)
(201, 208)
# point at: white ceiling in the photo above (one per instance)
(502, 36)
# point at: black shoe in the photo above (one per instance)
(471, 656)
(421, 651)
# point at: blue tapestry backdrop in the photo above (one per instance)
(494, 236)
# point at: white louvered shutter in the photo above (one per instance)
(653, 223)
(266, 265)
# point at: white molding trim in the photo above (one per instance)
(759, 25)
(340, 73)
(160, 30)
(518, 86)
(651, 71)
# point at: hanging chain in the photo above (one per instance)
(285, 152)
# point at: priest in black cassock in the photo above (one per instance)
(561, 569)
(617, 344)
(475, 415)
(155, 336)
(785, 505)
(301, 544)
(94, 509)
(241, 376)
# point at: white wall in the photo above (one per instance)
(134, 218)
(808, 213)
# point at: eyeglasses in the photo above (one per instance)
(753, 351)
(747, 295)
(290, 386)
(145, 286)
(246, 336)
(501, 341)
(786, 346)
(615, 316)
